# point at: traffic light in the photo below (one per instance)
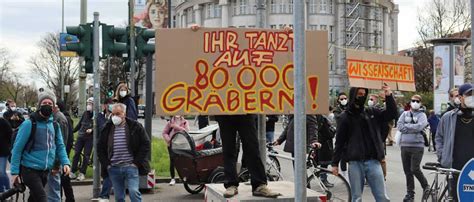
(143, 47)
(114, 41)
(84, 47)
(84, 33)
(110, 90)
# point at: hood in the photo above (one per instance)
(352, 96)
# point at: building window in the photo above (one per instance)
(290, 6)
(324, 27)
(190, 18)
(331, 7)
(273, 26)
(331, 33)
(213, 10)
(243, 7)
(274, 6)
(313, 27)
(313, 6)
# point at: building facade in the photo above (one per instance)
(367, 25)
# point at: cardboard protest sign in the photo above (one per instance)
(371, 70)
(236, 71)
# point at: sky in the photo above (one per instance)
(24, 22)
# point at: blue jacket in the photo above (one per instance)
(46, 149)
(132, 112)
(433, 120)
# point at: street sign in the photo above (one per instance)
(466, 182)
(64, 39)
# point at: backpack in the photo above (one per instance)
(31, 140)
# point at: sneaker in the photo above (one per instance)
(72, 176)
(409, 198)
(172, 182)
(231, 191)
(264, 191)
(327, 184)
(81, 177)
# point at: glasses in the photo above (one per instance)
(371, 99)
(343, 99)
(417, 101)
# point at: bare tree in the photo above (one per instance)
(14, 88)
(423, 65)
(47, 65)
(4, 63)
(442, 18)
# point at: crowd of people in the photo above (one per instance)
(38, 147)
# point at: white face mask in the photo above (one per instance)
(344, 102)
(116, 120)
(89, 107)
(469, 101)
(13, 108)
(123, 93)
(370, 103)
(415, 105)
(457, 101)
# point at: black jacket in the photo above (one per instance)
(85, 123)
(288, 134)
(13, 123)
(5, 137)
(137, 141)
(325, 137)
(355, 124)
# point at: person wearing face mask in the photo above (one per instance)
(455, 152)
(341, 105)
(454, 100)
(84, 142)
(102, 119)
(359, 139)
(124, 97)
(38, 143)
(411, 124)
(122, 149)
(14, 117)
(176, 124)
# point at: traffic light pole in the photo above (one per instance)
(149, 96)
(97, 105)
(261, 121)
(82, 73)
(132, 48)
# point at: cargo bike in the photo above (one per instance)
(198, 158)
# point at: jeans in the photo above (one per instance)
(411, 159)
(82, 143)
(269, 136)
(372, 171)
(245, 126)
(35, 180)
(4, 180)
(106, 187)
(53, 188)
(119, 175)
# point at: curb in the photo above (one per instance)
(88, 182)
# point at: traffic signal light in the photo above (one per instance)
(114, 41)
(84, 33)
(110, 90)
(143, 47)
(84, 47)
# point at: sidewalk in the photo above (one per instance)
(163, 192)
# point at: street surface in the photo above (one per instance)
(395, 176)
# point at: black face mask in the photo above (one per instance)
(46, 110)
(360, 101)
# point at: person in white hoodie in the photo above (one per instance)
(411, 124)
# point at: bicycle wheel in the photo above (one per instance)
(340, 191)
(273, 168)
(193, 189)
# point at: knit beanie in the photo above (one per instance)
(46, 95)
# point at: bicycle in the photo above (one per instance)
(338, 189)
(440, 191)
(273, 168)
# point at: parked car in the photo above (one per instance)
(141, 111)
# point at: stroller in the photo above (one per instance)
(198, 158)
